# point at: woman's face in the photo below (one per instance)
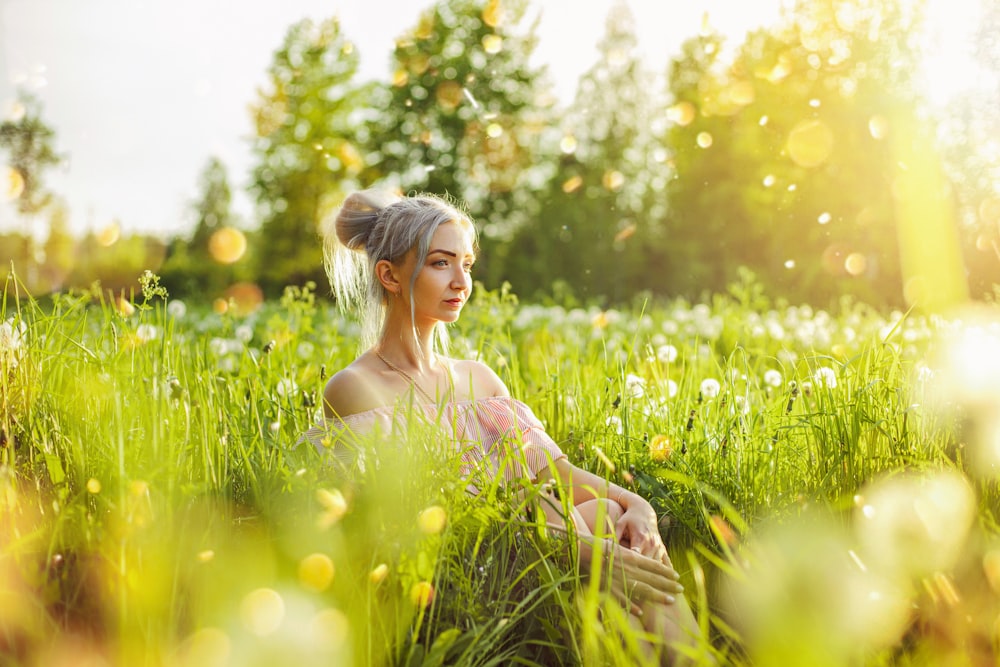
(444, 281)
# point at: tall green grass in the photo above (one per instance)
(155, 509)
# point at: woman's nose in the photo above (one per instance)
(461, 280)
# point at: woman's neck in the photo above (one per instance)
(406, 345)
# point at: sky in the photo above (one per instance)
(141, 93)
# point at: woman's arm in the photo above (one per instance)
(638, 526)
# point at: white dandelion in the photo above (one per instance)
(826, 377)
(710, 387)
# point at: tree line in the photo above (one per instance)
(805, 156)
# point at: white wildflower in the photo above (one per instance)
(228, 364)
(11, 342)
(286, 387)
(710, 387)
(667, 354)
(11, 336)
(826, 377)
(614, 422)
(176, 309)
(635, 386)
(244, 333)
(772, 378)
(147, 332)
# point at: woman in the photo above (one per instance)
(408, 260)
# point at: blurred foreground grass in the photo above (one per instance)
(826, 481)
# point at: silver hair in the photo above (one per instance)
(373, 225)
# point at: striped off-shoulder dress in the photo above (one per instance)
(496, 436)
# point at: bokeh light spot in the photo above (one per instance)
(262, 611)
(449, 95)
(855, 264)
(14, 182)
(492, 44)
(704, 140)
(878, 127)
(917, 523)
(316, 572)
(568, 144)
(572, 184)
(208, 647)
(682, 113)
(244, 298)
(613, 180)
(109, 235)
(432, 520)
(330, 628)
(810, 143)
(493, 13)
(227, 245)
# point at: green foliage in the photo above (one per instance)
(151, 455)
(599, 213)
(464, 114)
(28, 142)
(190, 267)
(307, 149)
(782, 155)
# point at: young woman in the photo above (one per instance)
(407, 262)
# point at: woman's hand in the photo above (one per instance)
(633, 579)
(639, 530)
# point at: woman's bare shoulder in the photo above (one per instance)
(483, 381)
(351, 390)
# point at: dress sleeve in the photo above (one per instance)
(540, 450)
(339, 440)
(506, 440)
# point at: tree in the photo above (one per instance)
(788, 156)
(29, 144)
(464, 114)
(307, 150)
(191, 267)
(598, 218)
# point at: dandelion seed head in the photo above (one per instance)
(772, 378)
(635, 386)
(667, 354)
(710, 387)
(826, 377)
(176, 309)
(286, 387)
(146, 332)
(614, 423)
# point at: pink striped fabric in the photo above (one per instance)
(494, 436)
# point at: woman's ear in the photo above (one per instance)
(386, 274)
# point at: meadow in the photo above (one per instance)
(825, 480)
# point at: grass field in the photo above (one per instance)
(826, 481)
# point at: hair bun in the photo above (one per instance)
(358, 214)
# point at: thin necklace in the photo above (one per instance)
(405, 375)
